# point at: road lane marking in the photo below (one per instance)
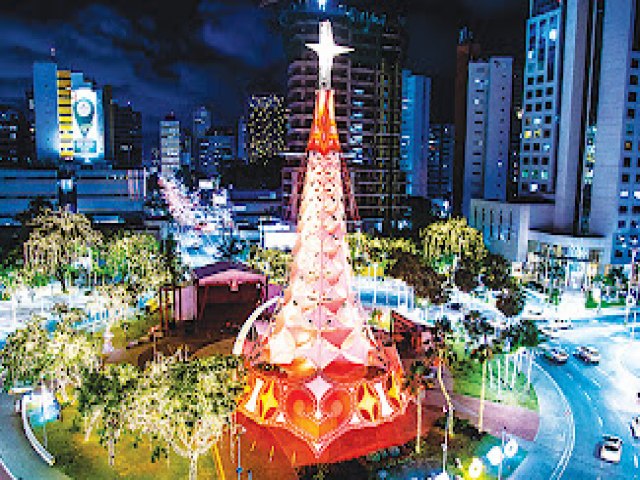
(560, 468)
(600, 421)
(595, 382)
(586, 395)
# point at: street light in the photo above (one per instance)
(240, 431)
(475, 469)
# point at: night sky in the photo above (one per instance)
(173, 56)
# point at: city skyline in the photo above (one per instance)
(214, 53)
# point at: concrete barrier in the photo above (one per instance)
(28, 431)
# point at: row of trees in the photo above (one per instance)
(178, 404)
(450, 253)
(64, 246)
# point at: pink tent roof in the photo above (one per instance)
(227, 277)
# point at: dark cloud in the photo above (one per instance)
(159, 57)
(173, 56)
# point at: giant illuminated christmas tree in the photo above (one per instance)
(318, 372)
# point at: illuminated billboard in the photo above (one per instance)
(88, 124)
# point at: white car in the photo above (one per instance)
(635, 427)
(588, 354)
(611, 449)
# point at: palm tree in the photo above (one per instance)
(415, 386)
(478, 329)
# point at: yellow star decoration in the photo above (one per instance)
(368, 402)
(267, 401)
(394, 392)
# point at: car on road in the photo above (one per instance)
(560, 323)
(635, 427)
(549, 331)
(611, 449)
(587, 354)
(556, 355)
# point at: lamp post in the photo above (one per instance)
(240, 431)
(502, 451)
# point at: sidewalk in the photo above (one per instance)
(521, 422)
(16, 451)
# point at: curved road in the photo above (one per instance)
(16, 451)
(601, 398)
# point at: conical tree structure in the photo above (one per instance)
(318, 372)
(321, 321)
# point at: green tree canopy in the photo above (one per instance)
(443, 241)
(59, 240)
(426, 282)
(105, 398)
(187, 404)
(26, 356)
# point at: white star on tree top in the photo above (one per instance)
(327, 50)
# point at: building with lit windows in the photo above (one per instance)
(486, 170)
(215, 150)
(368, 103)
(170, 145)
(467, 50)
(440, 157)
(416, 100)
(265, 128)
(124, 145)
(69, 117)
(543, 76)
(587, 207)
(14, 137)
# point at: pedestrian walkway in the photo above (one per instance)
(16, 451)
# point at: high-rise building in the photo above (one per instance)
(202, 120)
(45, 97)
(579, 139)
(265, 128)
(216, 150)
(368, 101)
(241, 139)
(543, 76)
(125, 136)
(169, 144)
(14, 137)
(440, 167)
(486, 170)
(609, 180)
(416, 100)
(69, 116)
(467, 49)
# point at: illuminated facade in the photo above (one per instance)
(416, 101)
(69, 117)
(318, 372)
(265, 128)
(170, 146)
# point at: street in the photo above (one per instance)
(601, 398)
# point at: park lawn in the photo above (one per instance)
(136, 328)
(89, 460)
(591, 303)
(467, 380)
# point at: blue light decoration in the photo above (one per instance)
(44, 407)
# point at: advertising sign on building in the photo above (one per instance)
(88, 125)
